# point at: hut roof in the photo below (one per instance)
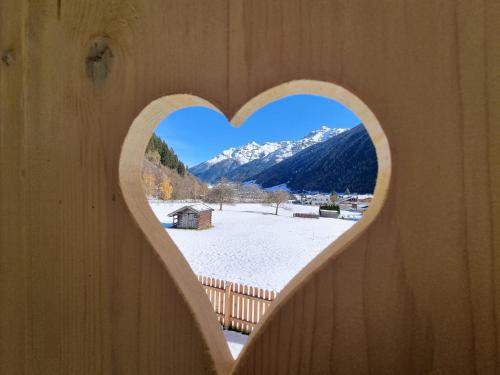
(199, 207)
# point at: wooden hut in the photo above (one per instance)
(196, 216)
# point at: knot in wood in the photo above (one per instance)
(8, 57)
(99, 59)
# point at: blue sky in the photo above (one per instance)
(197, 134)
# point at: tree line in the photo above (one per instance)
(227, 192)
(165, 177)
(167, 156)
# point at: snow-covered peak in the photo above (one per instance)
(245, 153)
(276, 150)
(323, 133)
(290, 148)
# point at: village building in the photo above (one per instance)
(316, 200)
(196, 216)
(365, 198)
(355, 202)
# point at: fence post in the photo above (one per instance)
(228, 305)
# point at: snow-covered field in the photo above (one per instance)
(249, 244)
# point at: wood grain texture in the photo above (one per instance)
(85, 290)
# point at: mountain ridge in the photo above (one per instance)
(348, 161)
(240, 163)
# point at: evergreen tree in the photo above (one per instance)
(168, 158)
(181, 169)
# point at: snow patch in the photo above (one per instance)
(280, 187)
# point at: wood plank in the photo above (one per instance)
(244, 304)
(251, 305)
(261, 308)
(90, 284)
(228, 305)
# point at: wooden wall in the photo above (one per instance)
(84, 291)
(205, 219)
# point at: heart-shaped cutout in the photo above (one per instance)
(131, 161)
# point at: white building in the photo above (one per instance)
(316, 200)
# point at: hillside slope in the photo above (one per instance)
(347, 161)
(165, 176)
(184, 186)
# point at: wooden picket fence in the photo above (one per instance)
(238, 307)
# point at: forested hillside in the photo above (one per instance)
(168, 158)
(164, 176)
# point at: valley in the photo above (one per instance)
(325, 160)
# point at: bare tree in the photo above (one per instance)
(223, 192)
(248, 192)
(255, 193)
(333, 197)
(148, 183)
(154, 157)
(277, 198)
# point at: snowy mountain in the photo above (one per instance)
(287, 150)
(246, 153)
(243, 162)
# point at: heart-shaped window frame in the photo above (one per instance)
(175, 264)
